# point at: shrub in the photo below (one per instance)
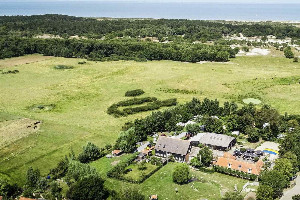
(296, 197)
(128, 194)
(243, 150)
(63, 67)
(90, 187)
(181, 174)
(233, 196)
(10, 71)
(296, 59)
(134, 93)
(236, 173)
(119, 170)
(90, 153)
(82, 62)
(288, 52)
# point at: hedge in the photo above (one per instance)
(119, 170)
(134, 93)
(152, 104)
(236, 173)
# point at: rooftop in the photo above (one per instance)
(172, 145)
(214, 139)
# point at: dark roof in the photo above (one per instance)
(172, 145)
(214, 139)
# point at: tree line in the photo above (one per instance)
(114, 49)
(256, 123)
(173, 29)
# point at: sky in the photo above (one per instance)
(162, 1)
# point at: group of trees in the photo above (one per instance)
(203, 159)
(273, 181)
(83, 181)
(116, 49)
(171, 29)
(264, 122)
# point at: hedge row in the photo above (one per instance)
(130, 180)
(179, 91)
(119, 170)
(10, 71)
(134, 93)
(152, 104)
(236, 173)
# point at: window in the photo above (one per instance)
(249, 170)
(229, 165)
(240, 166)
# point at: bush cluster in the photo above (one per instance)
(10, 72)
(236, 173)
(179, 91)
(90, 153)
(152, 104)
(63, 67)
(134, 93)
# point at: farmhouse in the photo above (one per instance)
(229, 161)
(217, 141)
(167, 146)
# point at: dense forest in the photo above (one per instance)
(128, 39)
(114, 49)
(97, 28)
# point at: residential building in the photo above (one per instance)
(229, 161)
(167, 146)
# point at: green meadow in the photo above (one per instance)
(72, 103)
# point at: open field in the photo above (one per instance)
(72, 103)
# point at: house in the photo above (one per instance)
(116, 152)
(1, 197)
(229, 161)
(218, 141)
(167, 146)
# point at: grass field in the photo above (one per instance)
(208, 186)
(79, 98)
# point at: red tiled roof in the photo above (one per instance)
(24, 198)
(240, 165)
(153, 196)
(116, 151)
(0, 197)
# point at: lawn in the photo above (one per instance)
(136, 174)
(208, 186)
(82, 95)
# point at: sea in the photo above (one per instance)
(168, 10)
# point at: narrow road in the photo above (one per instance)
(288, 194)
